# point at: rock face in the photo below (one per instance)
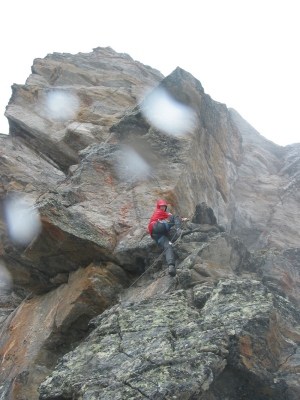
(266, 191)
(91, 311)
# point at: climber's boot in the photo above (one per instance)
(172, 270)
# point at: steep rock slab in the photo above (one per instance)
(163, 347)
(25, 171)
(101, 175)
(209, 258)
(76, 98)
(280, 272)
(146, 350)
(264, 335)
(42, 328)
(66, 243)
(266, 192)
(85, 217)
(25, 175)
(192, 168)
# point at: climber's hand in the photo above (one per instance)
(184, 219)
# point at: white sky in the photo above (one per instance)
(245, 53)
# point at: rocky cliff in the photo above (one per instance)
(88, 310)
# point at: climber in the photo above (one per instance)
(159, 227)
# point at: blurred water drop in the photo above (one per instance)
(23, 221)
(5, 279)
(61, 105)
(168, 115)
(131, 165)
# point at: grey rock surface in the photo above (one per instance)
(91, 311)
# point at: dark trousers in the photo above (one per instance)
(164, 242)
(161, 234)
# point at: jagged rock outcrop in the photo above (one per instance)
(84, 152)
(69, 101)
(266, 191)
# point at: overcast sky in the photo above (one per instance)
(245, 53)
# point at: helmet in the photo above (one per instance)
(161, 203)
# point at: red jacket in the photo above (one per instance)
(157, 216)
